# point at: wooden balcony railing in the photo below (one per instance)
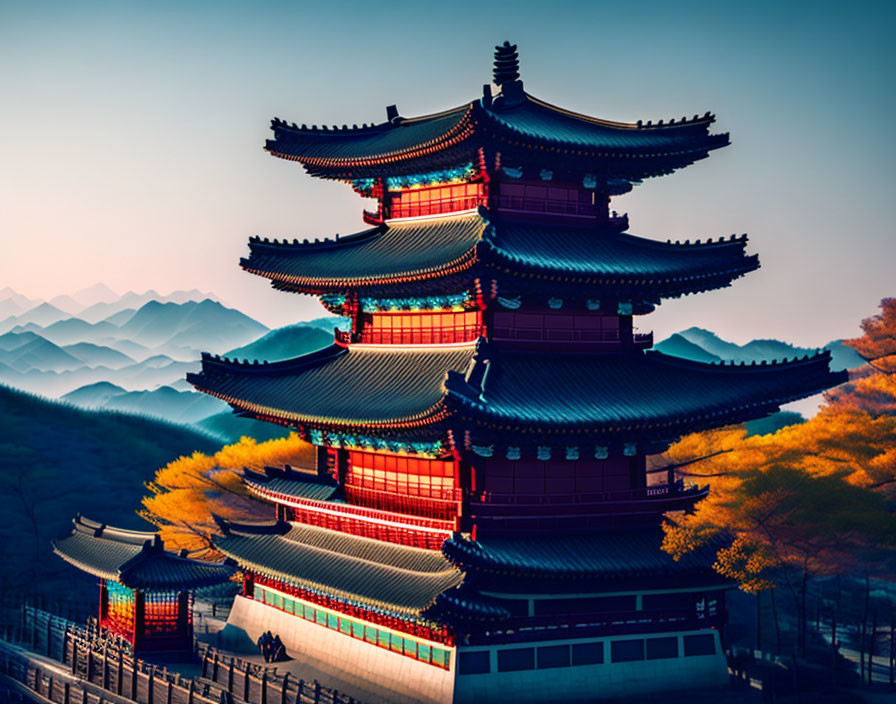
(435, 207)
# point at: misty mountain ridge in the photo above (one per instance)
(705, 346)
(284, 343)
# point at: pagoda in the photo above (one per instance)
(146, 592)
(480, 524)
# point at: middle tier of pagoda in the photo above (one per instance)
(478, 253)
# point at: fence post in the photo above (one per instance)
(106, 665)
(90, 663)
(168, 694)
(49, 636)
(284, 687)
(204, 663)
(192, 692)
(134, 671)
(120, 684)
(246, 683)
(150, 684)
(66, 692)
(215, 667)
(264, 687)
(230, 677)
(74, 656)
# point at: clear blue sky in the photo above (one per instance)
(132, 132)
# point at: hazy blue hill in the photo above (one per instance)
(843, 356)
(71, 460)
(96, 355)
(757, 350)
(121, 317)
(106, 311)
(773, 423)
(11, 340)
(711, 342)
(328, 323)
(93, 395)
(168, 404)
(679, 346)
(74, 330)
(130, 348)
(230, 428)
(42, 315)
(67, 304)
(38, 353)
(284, 343)
(205, 324)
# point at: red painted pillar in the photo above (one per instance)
(104, 603)
(139, 619)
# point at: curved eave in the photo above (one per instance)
(374, 574)
(532, 123)
(465, 403)
(402, 387)
(348, 149)
(698, 277)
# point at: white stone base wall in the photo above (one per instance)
(590, 683)
(382, 676)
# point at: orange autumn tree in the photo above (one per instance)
(811, 499)
(186, 493)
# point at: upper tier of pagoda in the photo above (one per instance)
(445, 255)
(514, 129)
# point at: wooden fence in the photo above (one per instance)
(86, 666)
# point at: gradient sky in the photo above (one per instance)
(132, 133)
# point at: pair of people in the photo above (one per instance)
(271, 647)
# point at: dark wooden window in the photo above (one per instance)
(473, 663)
(627, 650)
(659, 648)
(553, 656)
(588, 653)
(516, 659)
(703, 644)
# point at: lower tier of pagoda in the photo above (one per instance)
(477, 607)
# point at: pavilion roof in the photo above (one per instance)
(611, 554)
(402, 251)
(647, 393)
(359, 386)
(417, 145)
(373, 573)
(135, 559)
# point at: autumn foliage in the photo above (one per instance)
(811, 499)
(186, 493)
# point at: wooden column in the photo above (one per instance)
(104, 603)
(139, 619)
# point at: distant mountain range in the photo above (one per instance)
(705, 346)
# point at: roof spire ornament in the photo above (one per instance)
(507, 64)
(506, 75)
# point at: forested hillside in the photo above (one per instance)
(58, 460)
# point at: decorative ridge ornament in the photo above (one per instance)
(507, 64)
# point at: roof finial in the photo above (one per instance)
(507, 64)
